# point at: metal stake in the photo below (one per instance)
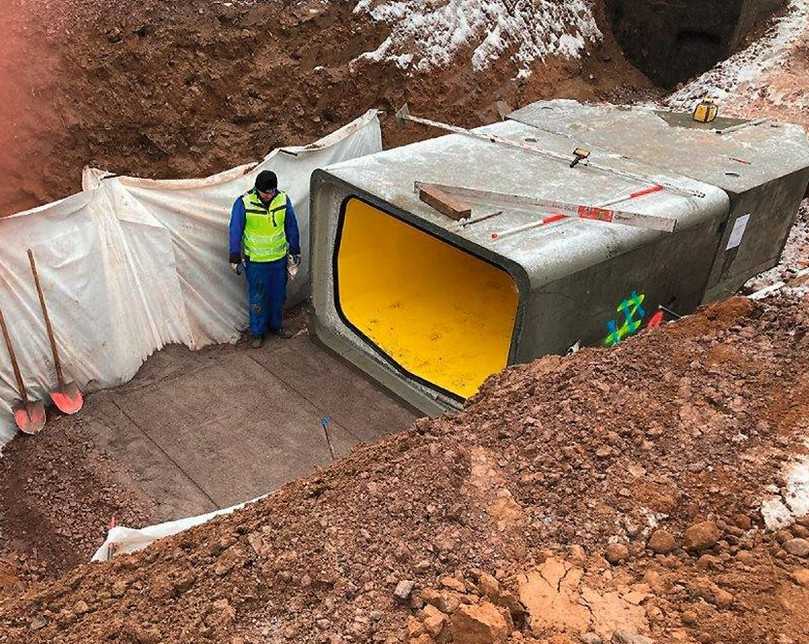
(325, 423)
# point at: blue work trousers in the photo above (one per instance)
(266, 294)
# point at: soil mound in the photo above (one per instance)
(611, 494)
(168, 89)
(54, 493)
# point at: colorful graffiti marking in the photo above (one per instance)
(633, 314)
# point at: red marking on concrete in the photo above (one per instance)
(645, 191)
(599, 214)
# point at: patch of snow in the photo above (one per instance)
(425, 35)
(776, 514)
(797, 292)
(749, 65)
(783, 289)
(797, 492)
(792, 501)
(653, 519)
(794, 258)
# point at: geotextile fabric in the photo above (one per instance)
(130, 265)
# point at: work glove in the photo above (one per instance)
(236, 263)
(293, 263)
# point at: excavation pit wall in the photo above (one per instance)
(672, 41)
(430, 308)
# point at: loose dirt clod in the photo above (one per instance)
(701, 536)
(797, 547)
(662, 542)
(616, 553)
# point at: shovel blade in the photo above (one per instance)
(68, 399)
(30, 417)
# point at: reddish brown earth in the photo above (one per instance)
(502, 516)
(177, 89)
(30, 122)
(58, 498)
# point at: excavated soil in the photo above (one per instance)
(58, 499)
(170, 89)
(500, 518)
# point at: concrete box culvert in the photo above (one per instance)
(430, 309)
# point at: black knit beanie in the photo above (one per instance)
(266, 181)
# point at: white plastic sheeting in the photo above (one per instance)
(130, 265)
(123, 541)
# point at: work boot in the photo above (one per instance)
(256, 341)
(284, 333)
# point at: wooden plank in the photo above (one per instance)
(444, 203)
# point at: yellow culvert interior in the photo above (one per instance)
(442, 314)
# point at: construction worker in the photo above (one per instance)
(263, 233)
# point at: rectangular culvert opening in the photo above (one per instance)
(437, 312)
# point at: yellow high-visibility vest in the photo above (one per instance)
(264, 238)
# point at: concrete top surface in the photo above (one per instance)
(746, 155)
(548, 252)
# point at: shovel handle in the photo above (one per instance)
(14, 365)
(56, 362)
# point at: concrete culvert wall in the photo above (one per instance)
(431, 307)
(674, 40)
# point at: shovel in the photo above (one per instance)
(29, 416)
(67, 396)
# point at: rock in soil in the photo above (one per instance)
(701, 536)
(662, 542)
(479, 624)
(797, 547)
